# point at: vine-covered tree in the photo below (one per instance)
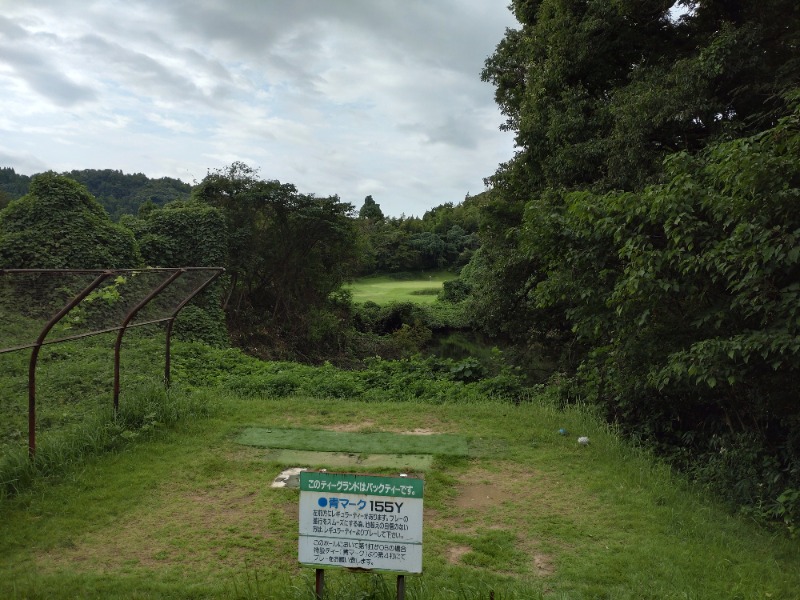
(59, 225)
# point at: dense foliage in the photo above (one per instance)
(122, 193)
(59, 225)
(12, 185)
(286, 254)
(119, 193)
(645, 233)
(445, 237)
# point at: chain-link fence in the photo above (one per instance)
(41, 306)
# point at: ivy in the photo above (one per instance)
(59, 225)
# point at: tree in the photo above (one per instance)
(59, 225)
(686, 298)
(598, 94)
(122, 193)
(645, 229)
(181, 234)
(12, 185)
(370, 210)
(287, 253)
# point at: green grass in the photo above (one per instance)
(384, 289)
(183, 510)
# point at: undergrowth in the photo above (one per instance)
(143, 412)
(420, 379)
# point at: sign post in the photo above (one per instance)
(367, 522)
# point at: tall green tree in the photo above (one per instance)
(287, 253)
(645, 229)
(370, 210)
(598, 93)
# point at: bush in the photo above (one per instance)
(455, 290)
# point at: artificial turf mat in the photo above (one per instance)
(353, 443)
(338, 460)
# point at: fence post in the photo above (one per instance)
(319, 584)
(171, 322)
(124, 325)
(35, 356)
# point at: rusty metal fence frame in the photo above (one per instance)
(101, 275)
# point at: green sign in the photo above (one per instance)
(348, 483)
(365, 522)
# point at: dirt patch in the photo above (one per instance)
(484, 491)
(490, 500)
(351, 427)
(543, 565)
(455, 553)
(481, 496)
(420, 432)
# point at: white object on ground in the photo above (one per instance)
(583, 440)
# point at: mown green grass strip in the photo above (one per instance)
(385, 289)
(354, 443)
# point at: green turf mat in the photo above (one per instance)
(338, 460)
(353, 443)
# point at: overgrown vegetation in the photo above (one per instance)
(59, 225)
(119, 193)
(75, 418)
(645, 234)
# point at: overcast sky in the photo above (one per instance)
(347, 97)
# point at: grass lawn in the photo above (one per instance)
(526, 514)
(385, 289)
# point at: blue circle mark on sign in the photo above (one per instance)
(323, 502)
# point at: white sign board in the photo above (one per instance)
(361, 521)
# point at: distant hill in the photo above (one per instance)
(12, 186)
(118, 192)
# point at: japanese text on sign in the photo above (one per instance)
(343, 526)
(347, 483)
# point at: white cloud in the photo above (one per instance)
(352, 98)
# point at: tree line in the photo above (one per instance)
(443, 238)
(646, 232)
(287, 254)
(119, 193)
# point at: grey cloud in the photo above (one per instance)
(10, 30)
(455, 131)
(24, 56)
(417, 31)
(127, 66)
(44, 77)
